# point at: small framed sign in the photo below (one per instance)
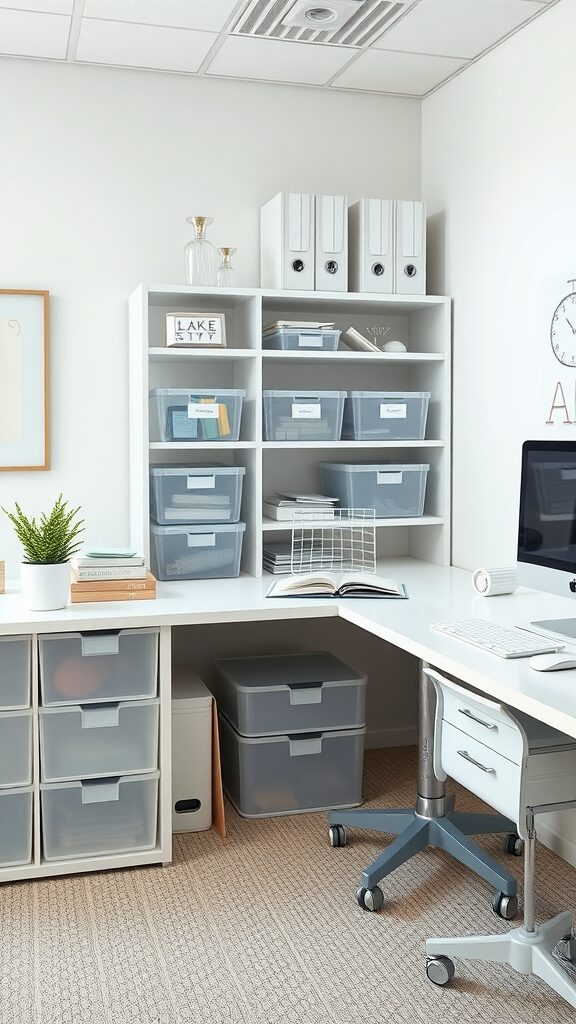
(196, 330)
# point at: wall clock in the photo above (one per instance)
(563, 328)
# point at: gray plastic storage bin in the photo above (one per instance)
(195, 414)
(15, 748)
(196, 552)
(87, 668)
(392, 490)
(195, 494)
(99, 817)
(15, 655)
(320, 339)
(385, 415)
(290, 693)
(15, 826)
(270, 775)
(91, 740)
(303, 415)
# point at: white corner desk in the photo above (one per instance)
(436, 593)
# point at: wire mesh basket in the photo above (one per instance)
(339, 540)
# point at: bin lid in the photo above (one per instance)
(215, 469)
(275, 671)
(199, 528)
(189, 691)
(296, 393)
(380, 467)
(389, 394)
(181, 392)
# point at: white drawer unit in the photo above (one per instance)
(87, 668)
(15, 658)
(91, 740)
(482, 721)
(484, 771)
(15, 748)
(15, 826)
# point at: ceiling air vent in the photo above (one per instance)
(338, 22)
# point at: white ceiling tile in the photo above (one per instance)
(276, 60)
(42, 6)
(25, 34)
(207, 15)
(457, 28)
(388, 71)
(142, 46)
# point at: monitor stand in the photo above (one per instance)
(562, 627)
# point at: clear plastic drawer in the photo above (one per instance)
(87, 668)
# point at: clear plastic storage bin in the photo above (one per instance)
(196, 494)
(15, 655)
(290, 693)
(15, 826)
(196, 552)
(99, 817)
(385, 415)
(87, 668)
(199, 414)
(87, 741)
(269, 775)
(392, 490)
(321, 339)
(303, 415)
(15, 748)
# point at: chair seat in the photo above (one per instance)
(543, 737)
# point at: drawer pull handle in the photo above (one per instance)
(466, 756)
(468, 714)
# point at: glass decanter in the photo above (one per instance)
(200, 255)
(225, 277)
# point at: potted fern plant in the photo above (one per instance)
(48, 545)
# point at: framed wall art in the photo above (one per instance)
(196, 330)
(24, 404)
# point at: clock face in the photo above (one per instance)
(563, 331)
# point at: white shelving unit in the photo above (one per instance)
(422, 322)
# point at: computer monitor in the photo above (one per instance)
(547, 523)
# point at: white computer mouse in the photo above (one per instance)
(553, 662)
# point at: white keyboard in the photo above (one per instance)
(504, 641)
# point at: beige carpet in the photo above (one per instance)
(265, 928)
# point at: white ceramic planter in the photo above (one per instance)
(45, 587)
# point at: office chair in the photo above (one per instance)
(523, 768)
(432, 822)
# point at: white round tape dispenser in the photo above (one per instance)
(491, 582)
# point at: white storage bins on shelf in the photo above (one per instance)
(15, 748)
(269, 775)
(195, 414)
(87, 741)
(192, 709)
(303, 415)
(196, 552)
(15, 655)
(322, 339)
(87, 668)
(385, 415)
(393, 490)
(15, 826)
(99, 817)
(195, 494)
(292, 693)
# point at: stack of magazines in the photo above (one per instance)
(277, 556)
(282, 506)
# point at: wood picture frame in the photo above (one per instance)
(24, 380)
(191, 329)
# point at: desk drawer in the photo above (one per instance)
(484, 725)
(88, 668)
(481, 770)
(15, 656)
(15, 748)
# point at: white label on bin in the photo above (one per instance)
(309, 341)
(201, 540)
(568, 474)
(390, 411)
(203, 410)
(388, 478)
(306, 410)
(200, 482)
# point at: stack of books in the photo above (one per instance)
(282, 506)
(106, 574)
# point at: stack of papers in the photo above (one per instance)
(278, 556)
(296, 325)
(282, 506)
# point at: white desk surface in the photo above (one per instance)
(436, 594)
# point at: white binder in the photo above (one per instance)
(371, 245)
(287, 241)
(331, 243)
(410, 247)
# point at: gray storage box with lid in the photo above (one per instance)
(385, 415)
(192, 709)
(321, 339)
(195, 414)
(195, 494)
(303, 415)
(392, 489)
(198, 552)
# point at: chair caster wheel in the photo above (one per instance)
(370, 899)
(337, 835)
(514, 845)
(505, 907)
(440, 969)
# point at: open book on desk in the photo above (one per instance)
(337, 584)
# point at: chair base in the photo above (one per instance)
(526, 952)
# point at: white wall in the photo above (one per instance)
(499, 160)
(99, 169)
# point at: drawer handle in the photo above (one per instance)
(466, 756)
(468, 714)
